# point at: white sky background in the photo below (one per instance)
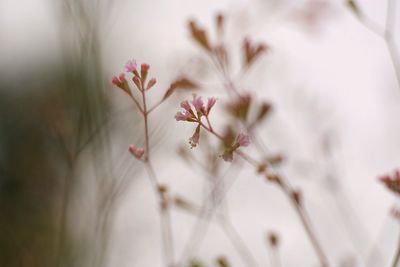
(334, 80)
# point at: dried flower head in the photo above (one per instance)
(392, 181)
(194, 140)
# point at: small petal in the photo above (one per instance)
(210, 103)
(185, 105)
(182, 116)
(243, 140)
(135, 151)
(115, 80)
(198, 104)
(144, 67)
(131, 66)
(122, 78)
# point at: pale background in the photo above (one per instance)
(332, 80)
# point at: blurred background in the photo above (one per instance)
(72, 195)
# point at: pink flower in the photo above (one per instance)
(210, 103)
(131, 66)
(183, 116)
(185, 105)
(144, 67)
(136, 151)
(115, 80)
(198, 103)
(119, 81)
(243, 140)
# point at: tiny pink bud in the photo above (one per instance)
(198, 103)
(118, 80)
(121, 82)
(144, 67)
(243, 140)
(183, 115)
(185, 105)
(151, 83)
(210, 103)
(122, 77)
(130, 66)
(135, 151)
(115, 80)
(137, 82)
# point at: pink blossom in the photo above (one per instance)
(144, 67)
(210, 103)
(183, 115)
(119, 80)
(198, 103)
(131, 66)
(115, 81)
(243, 140)
(185, 105)
(136, 151)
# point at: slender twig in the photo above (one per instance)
(396, 257)
(237, 241)
(286, 188)
(206, 213)
(166, 227)
(386, 34)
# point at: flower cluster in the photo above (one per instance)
(199, 109)
(139, 79)
(392, 181)
(193, 111)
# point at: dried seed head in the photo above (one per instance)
(273, 239)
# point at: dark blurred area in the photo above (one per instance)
(53, 121)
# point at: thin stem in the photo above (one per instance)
(396, 257)
(237, 242)
(288, 192)
(274, 256)
(206, 213)
(155, 106)
(136, 104)
(305, 220)
(166, 227)
(146, 126)
(386, 35)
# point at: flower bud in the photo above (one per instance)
(136, 152)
